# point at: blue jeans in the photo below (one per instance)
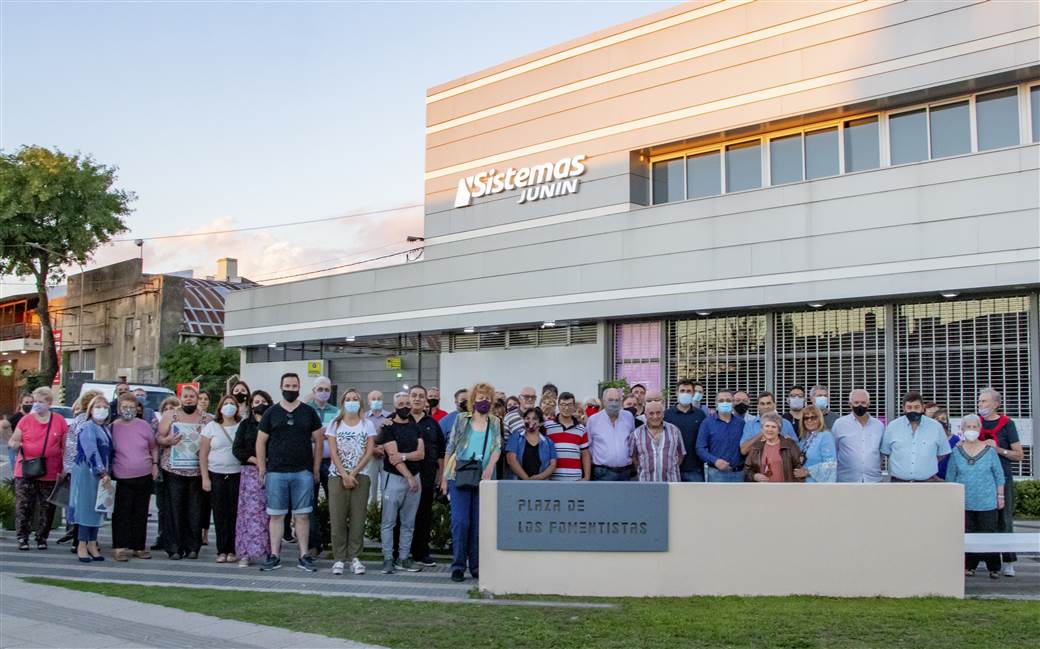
(714, 475)
(287, 491)
(12, 457)
(86, 534)
(607, 474)
(695, 475)
(465, 528)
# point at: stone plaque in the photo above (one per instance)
(582, 516)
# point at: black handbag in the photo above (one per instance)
(37, 467)
(60, 494)
(467, 474)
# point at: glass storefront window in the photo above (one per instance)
(862, 146)
(785, 159)
(743, 166)
(668, 181)
(950, 129)
(996, 119)
(1034, 111)
(908, 136)
(704, 175)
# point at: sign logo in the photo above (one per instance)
(314, 368)
(547, 180)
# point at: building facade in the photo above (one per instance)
(753, 194)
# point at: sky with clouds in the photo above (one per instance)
(225, 115)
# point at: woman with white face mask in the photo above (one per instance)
(351, 440)
(221, 471)
(93, 453)
(975, 465)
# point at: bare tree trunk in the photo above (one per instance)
(48, 356)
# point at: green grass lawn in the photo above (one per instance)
(673, 623)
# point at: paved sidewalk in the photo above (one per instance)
(44, 617)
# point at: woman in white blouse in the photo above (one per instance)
(220, 474)
(351, 442)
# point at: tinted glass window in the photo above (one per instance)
(862, 147)
(785, 159)
(704, 175)
(951, 132)
(908, 136)
(997, 119)
(1034, 111)
(668, 181)
(743, 166)
(821, 153)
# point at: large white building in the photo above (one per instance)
(754, 194)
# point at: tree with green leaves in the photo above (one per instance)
(55, 210)
(208, 359)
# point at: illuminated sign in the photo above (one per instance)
(547, 180)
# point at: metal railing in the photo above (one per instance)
(20, 330)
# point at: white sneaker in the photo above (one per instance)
(1009, 570)
(357, 566)
(337, 568)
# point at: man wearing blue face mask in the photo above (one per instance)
(687, 416)
(718, 442)
(914, 444)
(821, 398)
(609, 430)
(377, 416)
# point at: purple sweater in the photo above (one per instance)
(132, 442)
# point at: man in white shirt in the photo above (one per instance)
(857, 437)
(608, 431)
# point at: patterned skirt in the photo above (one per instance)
(251, 537)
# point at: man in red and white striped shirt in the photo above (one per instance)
(573, 458)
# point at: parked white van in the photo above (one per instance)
(155, 393)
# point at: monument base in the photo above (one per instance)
(837, 540)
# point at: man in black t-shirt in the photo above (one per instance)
(403, 454)
(999, 432)
(288, 467)
(430, 470)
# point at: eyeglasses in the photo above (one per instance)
(811, 418)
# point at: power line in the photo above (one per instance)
(269, 227)
(348, 265)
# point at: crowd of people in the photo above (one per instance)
(257, 466)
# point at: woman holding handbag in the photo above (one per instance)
(93, 456)
(38, 439)
(473, 450)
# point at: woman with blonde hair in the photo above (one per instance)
(818, 447)
(473, 449)
(37, 437)
(80, 416)
(93, 456)
(168, 404)
(351, 443)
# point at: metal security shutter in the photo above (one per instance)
(637, 353)
(840, 348)
(725, 353)
(948, 351)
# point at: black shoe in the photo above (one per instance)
(427, 561)
(306, 564)
(23, 545)
(193, 555)
(175, 556)
(71, 534)
(458, 575)
(154, 547)
(41, 545)
(274, 562)
(289, 539)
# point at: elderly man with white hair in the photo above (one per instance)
(999, 431)
(857, 438)
(322, 402)
(609, 430)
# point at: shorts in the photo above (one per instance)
(287, 491)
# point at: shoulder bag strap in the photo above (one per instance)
(46, 436)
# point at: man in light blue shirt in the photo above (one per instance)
(914, 443)
(857, 437)
(753, 426)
